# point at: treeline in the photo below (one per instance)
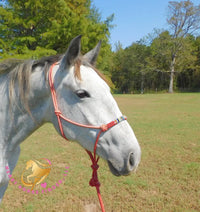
(145, 67)
(170, 60)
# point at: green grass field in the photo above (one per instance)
(168, 178)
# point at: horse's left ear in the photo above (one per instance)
(92, 55)
(72, 52)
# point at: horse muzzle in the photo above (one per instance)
(130, 164)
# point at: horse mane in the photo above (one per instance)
(19, 71)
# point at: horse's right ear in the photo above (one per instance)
(92, 55)
(72, 53)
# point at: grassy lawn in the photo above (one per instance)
(168, 178)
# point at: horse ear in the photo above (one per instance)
(92, 55)
(72, 52)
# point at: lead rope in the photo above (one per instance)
(94, 180)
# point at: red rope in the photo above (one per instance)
(94, 180)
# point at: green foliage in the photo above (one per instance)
(35, 28)
(184, 19)
(129, 67)
(161, 51)
(141, 67)
(164, 57)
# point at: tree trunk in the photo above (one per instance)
(172, 70)
(142, 82)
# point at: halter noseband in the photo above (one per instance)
(94, 180)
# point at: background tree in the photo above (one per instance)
(145, 66)
(161, 48)
(36, 28)
(130, 66)
(152, 63)
(188, 78)
(184, 19)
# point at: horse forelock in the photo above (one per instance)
(80, 61)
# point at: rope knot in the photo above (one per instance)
(104, 127)
(57, 112)
(95, 167)
(94, 180)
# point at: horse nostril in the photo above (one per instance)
(131, 160)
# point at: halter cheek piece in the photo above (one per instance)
(94, 180)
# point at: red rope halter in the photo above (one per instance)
(94, 180)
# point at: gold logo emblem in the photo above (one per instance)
(35, 172)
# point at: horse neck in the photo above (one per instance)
(40, 101)
(21, 123)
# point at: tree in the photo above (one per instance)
(161, 52)
(34, 28)
(161, 49)
(130, 67)
(145, 65)
(184, 19)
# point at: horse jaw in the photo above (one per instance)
(120, 148)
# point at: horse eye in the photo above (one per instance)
(82, 94)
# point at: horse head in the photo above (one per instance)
(29, 164)
(84, 97)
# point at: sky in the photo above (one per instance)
(134, 19)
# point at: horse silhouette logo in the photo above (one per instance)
(35, 172)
